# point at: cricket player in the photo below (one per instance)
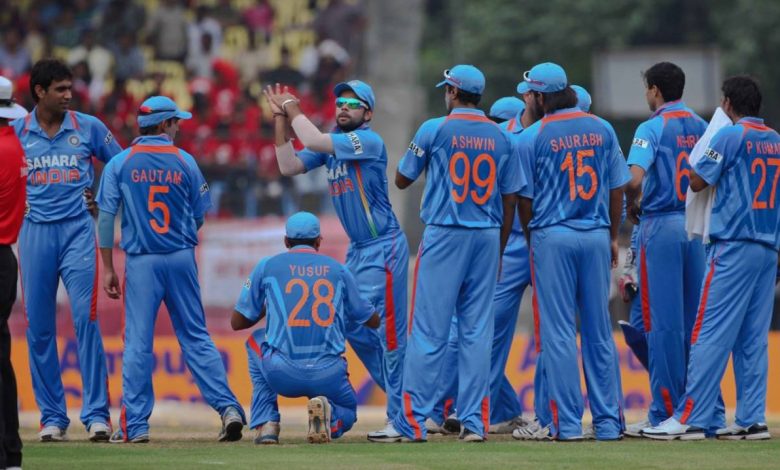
(505, 408)
(57, 241)
(308, 299)
(670, 266)
(571, 209)
(378, 256)
(506, 112)
(164, 198)
(735, 309)
(468, 205)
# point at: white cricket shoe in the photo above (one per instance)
(268, 433)
(53, 433)
(99, 432)
(386, 435)
(735, 432)
(468, 435)
(232, 425)
(319, 420)
(433, 428)
(119, 438)
(635, 430)
(532, 432)
(506, 427)
(671, 429)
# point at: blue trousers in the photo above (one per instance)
(455, 275)
(48, 252)
(381, 270)
(571, 273)
(515, 277)
(737, 297)
(670, 272)
(171, 278)
(274, 374)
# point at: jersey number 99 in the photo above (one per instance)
(469, 174)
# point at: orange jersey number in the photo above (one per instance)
(680, 174)
(760, 164)
(320, 299)
(153, 205)
(582, 169)
(469, 174)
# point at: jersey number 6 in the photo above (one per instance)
(153, 205)
(471, 173)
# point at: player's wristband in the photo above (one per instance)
(286, 102)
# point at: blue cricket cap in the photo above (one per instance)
(506, 108)
(466, 77)
(544, 78)
(303, 225)
(157, 109)
(360, 88)
(583, 98)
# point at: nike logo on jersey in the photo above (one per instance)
(30, 144)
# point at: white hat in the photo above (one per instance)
(9, 109)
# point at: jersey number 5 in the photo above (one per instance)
(471, 173)
(319, 299)
(153, 205)
(583, 169)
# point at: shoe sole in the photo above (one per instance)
(746, 437)
(100, 436)
(52, 439)
(266, 441)
(318, 433)
(233, 432)
(636, 435)
(385, 440)
(676, 437)
(452, 426)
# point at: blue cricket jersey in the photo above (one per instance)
(573, 160)
(163, 193)
(743, 163)
(357, 181)
(60, 168)
(308, 298)
(513, 130)
(661, 147)
(469, 164)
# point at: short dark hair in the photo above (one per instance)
(744, 95)
(668, 77)
(154, 129)
(46, 71)
(566, 98)
(302, 241)
(465, 97)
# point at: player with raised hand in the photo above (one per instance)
(164, 199)
(571, 209)
(378, 256)
(58, 241)
(671, 267)
(308, 299)
(469, 201)
(735, 310)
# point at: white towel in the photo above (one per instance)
(698, 206)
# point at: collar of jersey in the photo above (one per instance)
(474, 111)
(566, 111)
(33, 126)
(668, 106)
(337, 129)
(302, 248)
(752, 120)
(160, 139)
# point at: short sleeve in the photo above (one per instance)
(523, 149)
(644, 145)
(415, 160)
(108, 196)
(360, 144)
(358, 309)
(200, 196)
(312, 159)
(511, 179)
(252, 297)
(723, 146)
(619, 175)
(104, 146)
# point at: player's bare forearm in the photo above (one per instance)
(110, 278)
(615, 210)
(697, 182)
(525, 212)
(633, 191)
(240, 322)
(280, 130)
(509, 202)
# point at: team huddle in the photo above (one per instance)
(536, 200)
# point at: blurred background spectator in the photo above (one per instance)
(213, 57)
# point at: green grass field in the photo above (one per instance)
(173, 448)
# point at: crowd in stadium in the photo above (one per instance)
(212, 57)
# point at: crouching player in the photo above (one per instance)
(309, 298)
